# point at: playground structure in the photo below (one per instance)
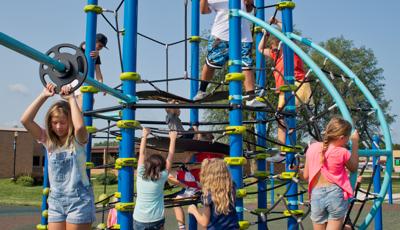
(235, 130)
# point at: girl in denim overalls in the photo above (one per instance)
(71, 202)
(325, 168)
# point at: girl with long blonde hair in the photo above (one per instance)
(71, 201)
(325, 168)
(218, 197)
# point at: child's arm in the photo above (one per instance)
(99, 75)
(203, 218)
(81, 134)
(143, 143)
(204, 8)
(29, 115)
(305, 170)
(172, 179)
(171, 151)
(261, 46)
(352, 163)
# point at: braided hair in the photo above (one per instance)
(336, 128)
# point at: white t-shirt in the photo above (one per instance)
(220, 27)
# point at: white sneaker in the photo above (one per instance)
(276, 158)
(254, 103)
(200, 95)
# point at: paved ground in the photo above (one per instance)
(26, 218)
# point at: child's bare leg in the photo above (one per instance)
(180, 217)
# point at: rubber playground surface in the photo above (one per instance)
(26, 218)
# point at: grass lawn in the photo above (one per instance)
(14, 194)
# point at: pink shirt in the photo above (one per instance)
(333, 168)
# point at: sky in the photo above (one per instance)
(45, 23)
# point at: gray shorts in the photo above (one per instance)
(327, 203)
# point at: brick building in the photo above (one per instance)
(29, 155)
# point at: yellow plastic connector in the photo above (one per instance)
(235, 160)
(45, 213)
(131, 76)
(293, 149)
(46, 191)
(234, 77)
(41, 227)
(125, 162)
(285, 4)
(258, 29)
(244, 224)
(261, 174)
(125, 207)
(287, 175)
(128, 124)
(91, 129)
(93, 8)
(298, 212)
(288, 88)
(118, 138)
(117, 195)
(235, 130)
(240, 193)
(89, 89)
(101, 226)
(89, 165)
(194, 39)
(116, 226)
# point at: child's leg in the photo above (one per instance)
(78, 226)
(334, 224)
(79, 99)
(207, 73)
(319, 226)
(57, 226)
(248, 80)
(180, 217)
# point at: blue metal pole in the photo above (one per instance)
(235, 91)
(30, 52)
(45, 193)
(261, 127)
(288, 62)
(272, 183)
(390, 191)
(377, 182)
(194, 73)
(125, 185)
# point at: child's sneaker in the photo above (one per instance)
(254, 103)
(277, 158)
(200, 95)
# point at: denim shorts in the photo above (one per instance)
(218, 53)
(327, 203)
(73, 207)
(157, 225)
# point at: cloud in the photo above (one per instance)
(18, 88)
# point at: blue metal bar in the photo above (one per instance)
(377, 182)
(46, 187)
(194, 74)
(390, 191)
(87, 102)
(261, 127)
(272, 182)
(288, 63)
(374, 152)
(235, 88)
(125, 182)
(30, 52)
(381, 117)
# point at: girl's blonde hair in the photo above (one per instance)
(336, 128)
(52, 140)
(216, 180)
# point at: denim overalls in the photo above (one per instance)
(71, 195)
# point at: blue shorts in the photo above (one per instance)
(327, 203)
(74, 208)
(218, 53)
(157, 225)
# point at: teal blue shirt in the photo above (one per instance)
(150, 197)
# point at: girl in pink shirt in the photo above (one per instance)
(325, 169)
